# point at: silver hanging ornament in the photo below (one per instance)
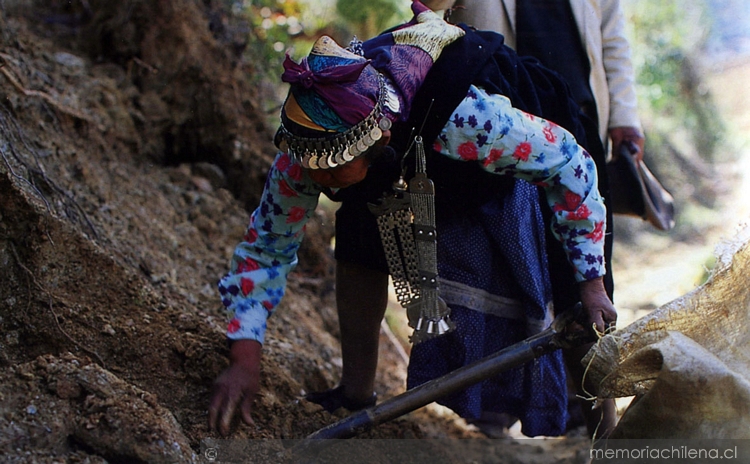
(406, 223)
(434, 314)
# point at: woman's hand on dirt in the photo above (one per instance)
(236, 387)
(599, 308)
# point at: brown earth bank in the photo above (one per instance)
(132, 148)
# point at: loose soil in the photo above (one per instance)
(132, 148)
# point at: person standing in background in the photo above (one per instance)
(583, 41)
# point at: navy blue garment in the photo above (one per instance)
(498, 249)
(547, 30)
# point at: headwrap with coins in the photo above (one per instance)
(340, 102)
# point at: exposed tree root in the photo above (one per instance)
(51, 308)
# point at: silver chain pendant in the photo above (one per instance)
(406, 223)
(434, 314)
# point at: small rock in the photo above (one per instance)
(67, 388)
(202, 184)
(210, 173)
(69, 60)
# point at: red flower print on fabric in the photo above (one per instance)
(598, 234)
(296, 213)
(549, 135)
(580, 214)
(572, 200)
(283, 162)
(251, 235)
(286, 190)
(495, 154)
(522, 152)
(468, 151)
(268, 305)
(295, 172)
(247, 286)
(247, 265)
(233, 326)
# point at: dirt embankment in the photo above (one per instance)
(131, 148)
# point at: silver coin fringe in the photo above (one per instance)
(335, 150)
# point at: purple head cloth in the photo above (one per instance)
(407, 53)
(335, 84)
(350, 87)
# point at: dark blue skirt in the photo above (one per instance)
(497, 250)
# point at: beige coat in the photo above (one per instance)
(601, 24)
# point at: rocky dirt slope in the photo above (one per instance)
(131, 149)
